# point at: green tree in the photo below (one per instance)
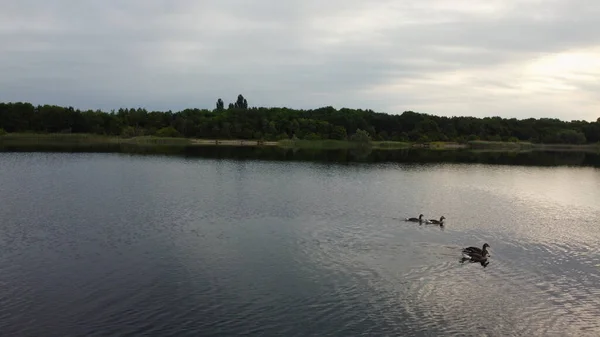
(220, 105)
(241, 102)
(271, 123)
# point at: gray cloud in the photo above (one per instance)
(467, 58)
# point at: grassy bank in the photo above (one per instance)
(231, 142)
(340, 144)
(75, 140)
(489, 145)
(89, 139)
(72, 138)
(527, 146)
(377, 145)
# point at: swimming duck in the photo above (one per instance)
(474, 257)
(437, 222)
(420, 219)
(478, 251)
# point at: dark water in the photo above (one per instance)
(275, 153)
(127, 245)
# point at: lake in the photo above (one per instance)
(109, 244)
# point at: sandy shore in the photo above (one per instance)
(232, 142)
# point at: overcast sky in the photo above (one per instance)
(509, 58)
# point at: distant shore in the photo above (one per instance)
(31, 139)
(231, 142)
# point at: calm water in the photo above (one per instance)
(123, 245)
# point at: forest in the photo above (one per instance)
(238, 121)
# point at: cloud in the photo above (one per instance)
(511, 58)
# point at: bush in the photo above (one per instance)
(2, 132)
(572, 137)
(258, 135)
(361, 136)
(338, 132)
(312, 136)
(128, 132)
(168, 131)
(282, 136)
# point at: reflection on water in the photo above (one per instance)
(119, 244)
(528, 158)
(483, 262)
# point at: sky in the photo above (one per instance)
(509, 58)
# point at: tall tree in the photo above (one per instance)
(220, 105)
(241, 102)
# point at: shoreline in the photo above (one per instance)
(232, 142)
(67, 139)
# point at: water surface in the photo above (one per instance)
(118, 245)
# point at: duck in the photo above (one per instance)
(474, 258)
(477, 251)
(420, 219)
(437, 222)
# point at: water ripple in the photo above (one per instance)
(183, 247)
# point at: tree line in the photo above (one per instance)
(238, 121)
